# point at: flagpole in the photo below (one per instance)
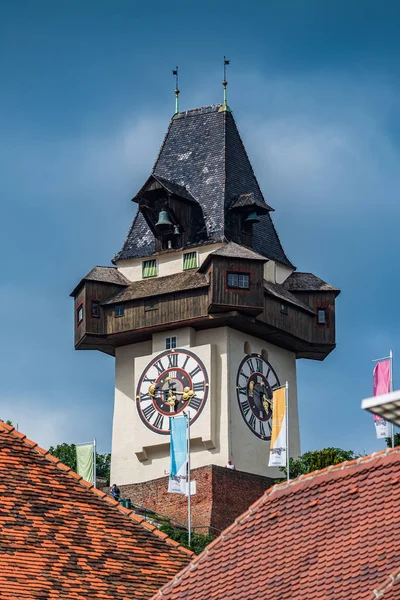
(189, 494)
(94, 462)
(391, 388)
(287, 428)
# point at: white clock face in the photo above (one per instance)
(255, 382)
(173, 381)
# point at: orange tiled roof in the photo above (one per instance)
(329, 535)
(60, 538)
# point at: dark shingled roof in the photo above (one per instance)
(104, 274)
(248, 200)
(279, 291)
(203, 152)
(233, 250)
(307, 282)
(158, 286)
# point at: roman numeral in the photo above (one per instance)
(252, 421)
(260, 365)
(172, 361)
(159, 366)
(244, 375)
(251, 365)
(195, 371)
(269, 423)
(268, 372)
(149, 411)
(245, 407)
(148, 379)
(199, 386)
(243, 390)
(144, 397)
(186, 361)
(159, 421)
(195, 403)
(262, 430)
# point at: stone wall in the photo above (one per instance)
(222, 495)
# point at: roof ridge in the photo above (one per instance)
(285, 485)
(10, 430)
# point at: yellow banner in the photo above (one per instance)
(278, 445)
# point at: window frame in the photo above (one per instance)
(238, 274)
(171, 342)
(284, 308)
(196, 253)
(92, 313)
(79, 310)
(324, 323)
(150, 260)
(117, 311)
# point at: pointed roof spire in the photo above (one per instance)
(175, 72)
(224, 84)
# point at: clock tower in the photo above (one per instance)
(203, 312)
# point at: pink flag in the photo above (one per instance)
(381, 386)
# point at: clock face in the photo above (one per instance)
(255, 382)
(173, 381)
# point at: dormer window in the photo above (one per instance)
(321, 316)
(149, 268)
(238, 280)
(190, 261)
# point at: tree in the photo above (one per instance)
(396, 440)
(67, 454)
(317, 459)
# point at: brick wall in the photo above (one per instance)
(222, 495)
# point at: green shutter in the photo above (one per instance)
(149, 268)
(190, 261)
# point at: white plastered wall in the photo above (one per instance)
(275, 272)
(168, 263)
(138, 454)
(248, 452)
(219, 433)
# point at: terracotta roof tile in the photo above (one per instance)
(329, 535)
(62, 538)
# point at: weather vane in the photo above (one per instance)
(225, 83)
(175, 72)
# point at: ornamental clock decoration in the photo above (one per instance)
(255, 382)
(173, 381)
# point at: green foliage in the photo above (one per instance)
(317, 459)
(8, 422)
(198, 540)
(103, 465)
(67, 454)
(396, 441)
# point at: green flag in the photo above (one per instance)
(85, 461)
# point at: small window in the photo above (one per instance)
(238, 280)
(150, 305)
(170, 343)
(95, 309)
(190, 261)
(284, 309)
(119, 310)
(321, 316)
(79, 314)
(149, 268)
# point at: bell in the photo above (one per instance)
(176, 230)
(252, 217)
(163, 220)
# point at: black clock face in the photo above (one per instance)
(255, 382)
(173, 381)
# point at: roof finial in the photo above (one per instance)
(225, 83)
(175, 72)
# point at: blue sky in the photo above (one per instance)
(86, 96)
